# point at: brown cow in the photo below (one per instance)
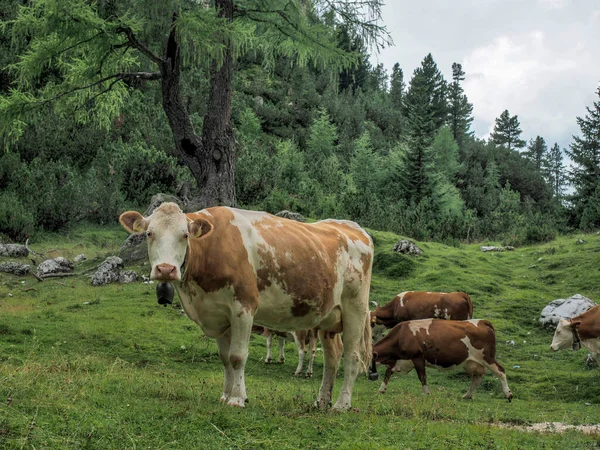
(302, 338)
(443, 344)
(233, 268)
(583, 329)
(413, 305)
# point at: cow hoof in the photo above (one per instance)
(341, 407)
(381, 391)
(224, 398)
(268, 361)
(281, 361)
(321, 404)
(246, 400)
(308, 374)
(509, 398)
(297, 374)
(236, 401)
(373, 376)
(467, 397)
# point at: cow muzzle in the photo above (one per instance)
(165, 272)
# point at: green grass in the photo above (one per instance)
(123, 372)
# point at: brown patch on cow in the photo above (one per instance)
(236, 361)
(300, 308)
(220, 259)
(588, 326)
(366, 259)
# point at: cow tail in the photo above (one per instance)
(470, 303)
(366, 345)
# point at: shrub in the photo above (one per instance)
(103, 185)
(16, 221)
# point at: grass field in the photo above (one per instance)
(107, 367)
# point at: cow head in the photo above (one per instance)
(566, 335)
(168, 231)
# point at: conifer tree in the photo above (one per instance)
(554, 170)
(537, 151)
(397, 87)
(460, 110)
(507, 132)
(585, 173)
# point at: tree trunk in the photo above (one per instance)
(211, 158)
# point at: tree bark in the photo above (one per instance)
(210, 157)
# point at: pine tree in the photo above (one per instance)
(585, 173)
(397, 87)
(553, 169)
(460, 114)
(537, 151)
(507, 131)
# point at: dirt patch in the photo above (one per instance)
(552, 427)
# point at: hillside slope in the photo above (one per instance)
(85, 367)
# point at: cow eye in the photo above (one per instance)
(186, 235)
(149, 234)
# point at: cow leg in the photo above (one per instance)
(419, 364)
(281, 349)
(238, 354)
(477, 371)
(269, 357)
(386, 379)
(332, 353)
(498, 370)
(223, 343)
(312, 346)
(301, 346)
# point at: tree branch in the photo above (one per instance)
(137, 44)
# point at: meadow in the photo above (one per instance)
(107, 367)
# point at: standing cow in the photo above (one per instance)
(413, 305)
(233, 267)
(302, 338)
(583, 329)
(444, 344)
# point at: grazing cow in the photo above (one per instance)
(583, 329)
(233, 268)
(302, 339)
(443, 344)
(414, 305)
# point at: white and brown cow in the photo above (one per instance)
(233, 267)
(583, 329)
(413, 305)
(443, 344)
(302, 338)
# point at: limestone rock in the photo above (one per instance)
(56, 265)
(13, 250)
(493, 248)
(291, 215)
(15, 268)
(79, 258)
(564, 308)
(108, 271)
(128, 276)
(407, 247)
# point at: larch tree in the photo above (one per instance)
(507, 131)
(85, 57)
(537, 151)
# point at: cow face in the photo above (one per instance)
(168, 231)
(563, 335)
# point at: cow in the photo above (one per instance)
(413, 305)
(302, 338)
(232, 268)
(583, 329)
(442, 344)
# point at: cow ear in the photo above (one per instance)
(575, 324)
(200, 228)
(133, 222)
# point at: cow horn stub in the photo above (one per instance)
(165, 293)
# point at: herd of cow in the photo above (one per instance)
(238, 272)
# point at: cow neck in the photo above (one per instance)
(576, 337)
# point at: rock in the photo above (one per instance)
(13, 250)
(291, 215)
(112, 271)
(493, 248)
(108, 271)
(15, 268)
(79, 258)
(407, 247)
(580, 241)
(127, 276)
(56, 265)
(564, 308)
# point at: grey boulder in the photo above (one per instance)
(564, 308)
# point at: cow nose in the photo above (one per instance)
(165, 272)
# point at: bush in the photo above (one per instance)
(103, 185)
(16, 221)
(145, 171)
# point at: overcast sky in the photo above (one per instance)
(540, 59)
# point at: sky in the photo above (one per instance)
(540, 59)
